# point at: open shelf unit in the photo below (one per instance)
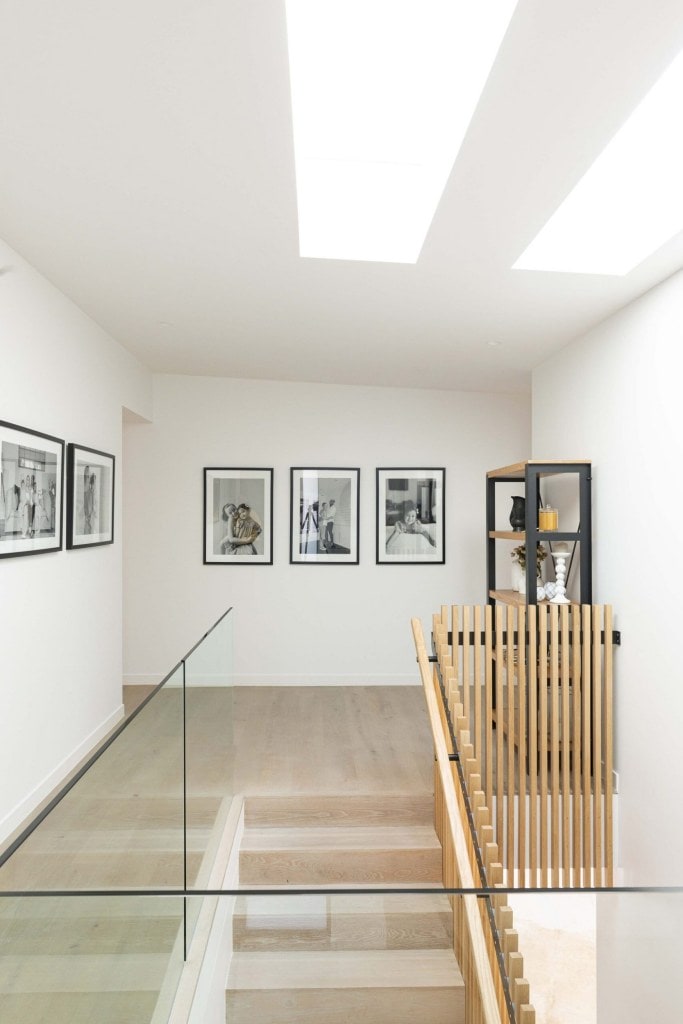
(529, 473)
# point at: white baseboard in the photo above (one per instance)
(326, 680)
(250, 679)
(24, 810)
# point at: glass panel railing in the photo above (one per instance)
(145, 813)
(577, 957)
(211, 811)
(209, 742)
(598, 956)
(142, 860)
(83, 959)
(119, 823)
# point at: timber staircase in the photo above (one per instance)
(332, 957)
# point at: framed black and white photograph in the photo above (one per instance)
(324, 516)
(31, 491)
(89, 497)
(238, 516)
(410, 516)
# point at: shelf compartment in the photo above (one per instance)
(543, 535)
(514, 598)
(517, 470)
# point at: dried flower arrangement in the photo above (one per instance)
(519, 555)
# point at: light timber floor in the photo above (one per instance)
(121, 826)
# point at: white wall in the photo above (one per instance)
(60, 613)
(614, 396)
(301, 623)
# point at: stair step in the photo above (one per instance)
(381, 986)
(320, 922)
(325, 856)
(338, 811)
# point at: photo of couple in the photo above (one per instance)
(317, 527)
(238, 516)
(324, 519)
(242, 530)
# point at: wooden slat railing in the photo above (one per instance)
(532, 686)
(483, 931)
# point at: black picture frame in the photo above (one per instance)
(90, 482)
(243, 536)
(31, 491)
(324, 515)
(410, 516)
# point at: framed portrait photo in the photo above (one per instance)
(238, 516)
(89, 497)
(410, 516)
(31, 491)
(324, 516)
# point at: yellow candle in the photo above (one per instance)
(548, 518)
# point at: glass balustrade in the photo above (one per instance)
(124, 902)
(271, 957)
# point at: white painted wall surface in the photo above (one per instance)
(614, 396)
(60, 613)
(301, 623)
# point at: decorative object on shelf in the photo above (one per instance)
(519, 555)
(540, 593)
(548, 518)
(89, 497)
(31, 486)
(550, 588)
(517, 577)
(323, 523)
(411, 516)
(560, 556)
(518, 513)
(238, 516)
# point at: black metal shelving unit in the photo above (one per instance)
(530, 473)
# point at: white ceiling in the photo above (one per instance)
(146, 169)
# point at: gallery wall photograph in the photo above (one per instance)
(410, 516)
(89, 497)
(324, 516)
(238, 516)
(31, 491)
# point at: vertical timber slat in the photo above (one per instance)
(533, 746)
(564, 689)
(554, 747)
(522, 752)
(609, 750)
(576, 746)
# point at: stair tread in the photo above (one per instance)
(356, 837)
(297, 906)
(320, 887)
(338, 810)
(399, 968)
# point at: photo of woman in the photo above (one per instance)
(410, 516)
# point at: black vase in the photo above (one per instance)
(518, 513)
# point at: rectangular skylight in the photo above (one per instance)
(382, 94)
(630, 202)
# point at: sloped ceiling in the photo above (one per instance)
(146, 168)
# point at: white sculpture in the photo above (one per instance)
(560, 556)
